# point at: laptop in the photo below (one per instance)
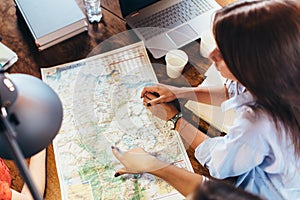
(164, 25)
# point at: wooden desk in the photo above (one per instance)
(16, 36)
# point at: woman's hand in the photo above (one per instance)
(137, 161)
(164, 111)
(163, 93)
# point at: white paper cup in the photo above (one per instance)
(175, 61)
(207, 43)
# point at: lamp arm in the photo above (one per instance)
(19, 159)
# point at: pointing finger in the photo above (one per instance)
(117, 152)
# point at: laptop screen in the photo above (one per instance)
(130, 6)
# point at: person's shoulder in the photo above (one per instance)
(253, 122)
(254, 114)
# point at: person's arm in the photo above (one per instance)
(166, 111)
(37, 170)
(182, 180)
(208, 95)
(167, 93)
(190, 133)
(138, 161)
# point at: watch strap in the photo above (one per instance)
(176, 118)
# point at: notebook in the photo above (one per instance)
(213, 115)
(164, 25)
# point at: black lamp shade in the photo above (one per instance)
(35, 115)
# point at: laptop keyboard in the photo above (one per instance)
(171, 17)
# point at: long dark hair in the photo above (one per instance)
(260, 43)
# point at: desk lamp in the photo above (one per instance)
(30, 117)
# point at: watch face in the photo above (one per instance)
(171, 124)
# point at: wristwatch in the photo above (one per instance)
(172, 122)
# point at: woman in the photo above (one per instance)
(258, 46)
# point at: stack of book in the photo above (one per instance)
(52, 21)
(7, 57)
